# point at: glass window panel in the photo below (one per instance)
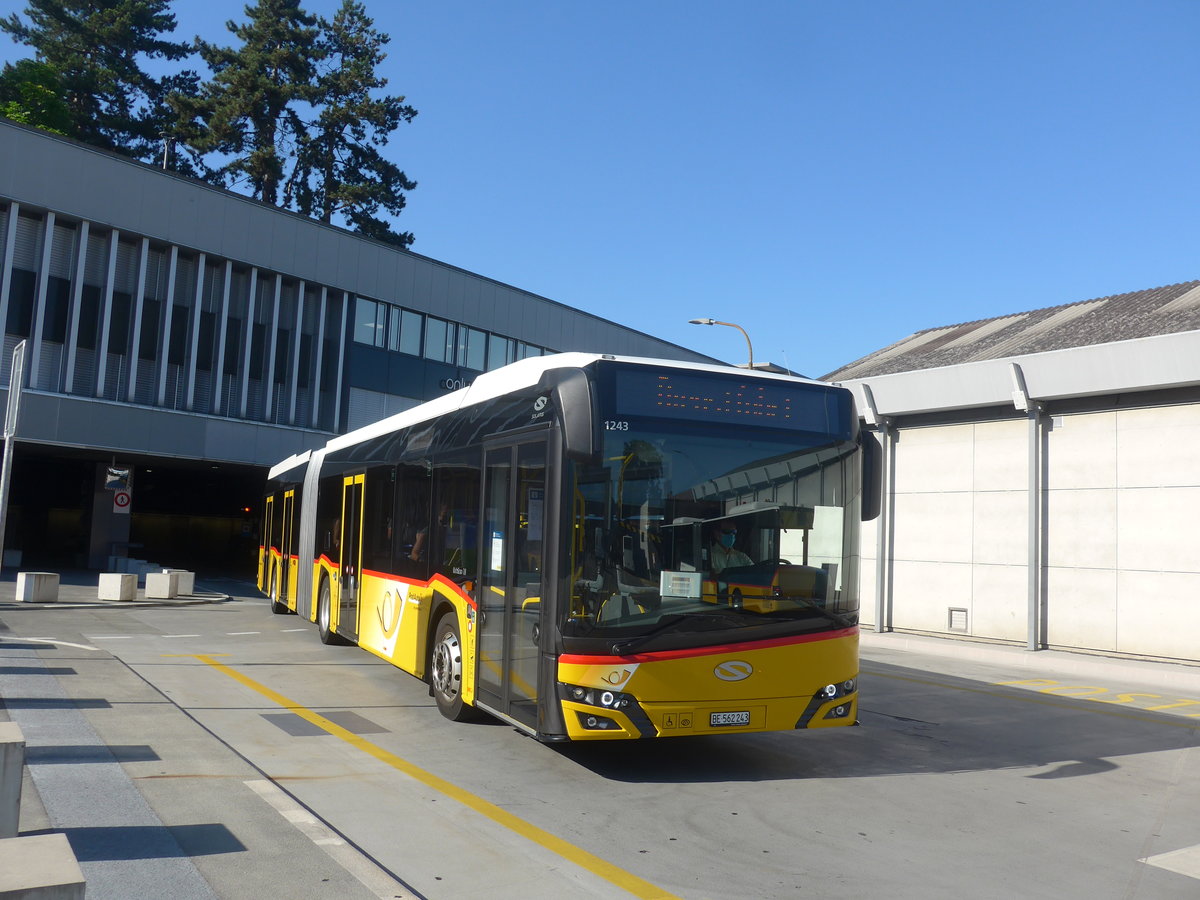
(394, 329)
(365, 324)
(448, 347)
(499, 351)
(435, 338)
(476, 349)
(410, 332)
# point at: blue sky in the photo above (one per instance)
(830, 176)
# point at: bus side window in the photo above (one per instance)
(412, 519)
(378, 522)
(453, 535)
(329, 511)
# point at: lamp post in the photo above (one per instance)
(749, 346)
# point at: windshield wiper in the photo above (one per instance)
(670, 623)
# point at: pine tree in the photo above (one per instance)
(31, 93)
(247, 113)
(94, 46)
(339, 169)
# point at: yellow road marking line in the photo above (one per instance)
(1041, 701)
(592, 863)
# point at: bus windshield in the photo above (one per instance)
(686, 537)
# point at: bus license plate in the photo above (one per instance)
(729, 718)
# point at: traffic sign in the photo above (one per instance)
(121, 501)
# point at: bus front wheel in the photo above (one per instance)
(446, 670)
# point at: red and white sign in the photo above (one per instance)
(121, 501)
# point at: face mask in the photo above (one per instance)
(727, 541)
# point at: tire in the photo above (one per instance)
(277, 607)
(445, 670)
(324, 604)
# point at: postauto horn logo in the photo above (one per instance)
(734, 670)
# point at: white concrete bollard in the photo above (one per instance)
(117, 586)
(187, 582)
(37, 587)
(40, 867)
(161, 585)
(12, 762)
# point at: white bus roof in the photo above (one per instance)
(498, 382)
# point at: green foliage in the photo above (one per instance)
(95, 46)
(32, 93)
(295, 113)
(339, 169)
(247, 111)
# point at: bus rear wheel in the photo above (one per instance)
(324, 602)
(446, 670)
(277, 607)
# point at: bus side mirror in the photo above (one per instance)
(872, 475)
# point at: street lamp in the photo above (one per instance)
(749, 346)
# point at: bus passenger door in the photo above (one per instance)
(512, 540)
(264, 554)
(286, 535)
(350, 556)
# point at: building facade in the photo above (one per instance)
(1043, 472)
(198, 337)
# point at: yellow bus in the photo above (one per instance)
(550, 546)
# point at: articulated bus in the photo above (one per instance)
(552, 546)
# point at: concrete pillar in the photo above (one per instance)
(12, 764)
(110, 531)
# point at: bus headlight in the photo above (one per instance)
(840, 689)
(605, 699)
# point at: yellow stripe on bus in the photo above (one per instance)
(592, 863)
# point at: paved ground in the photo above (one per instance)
(142, 827)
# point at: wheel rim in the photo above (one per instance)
(323, 611)
(447, 666)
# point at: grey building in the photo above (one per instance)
(1043, 473)
(198, 336)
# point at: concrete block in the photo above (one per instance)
(187, 582)
(12, 761)
(162, 585)
(39, 867)
(37, 587)
(117, 586)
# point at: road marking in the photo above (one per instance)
(627, 881)
(1047, 701)
(180, 635)
(111, 637)
(1093, 692)
(57, 642)
(290, 630)
(239, 633)
(375, 879)
(1181, 862)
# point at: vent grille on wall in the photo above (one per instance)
(958, 619)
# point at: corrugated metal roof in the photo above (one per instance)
(1163, 310)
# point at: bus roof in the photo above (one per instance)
(498, 382)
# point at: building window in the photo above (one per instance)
(405, 335)
(500, 351)
(439, 339)
(472, 347)
(370, 322)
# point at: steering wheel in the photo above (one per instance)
(783, 562)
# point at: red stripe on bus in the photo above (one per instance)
(578, 659)
(416, 582)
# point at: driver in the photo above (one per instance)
(722, 554)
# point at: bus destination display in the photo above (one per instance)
(685, 395)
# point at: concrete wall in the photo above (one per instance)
(1120, 570)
